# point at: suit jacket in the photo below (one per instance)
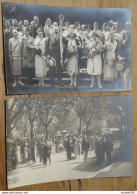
(53, 47)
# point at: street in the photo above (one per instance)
(63, 169)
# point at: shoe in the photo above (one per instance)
(14, 84)
(71, 84)
(100, 86)
(91, 86)
(21, 83)
(42, 84)
(75, 84)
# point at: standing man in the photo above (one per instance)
(35, 26)
(53, 49)
(85, 148)
(109, 148)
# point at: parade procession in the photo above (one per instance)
(62, 54)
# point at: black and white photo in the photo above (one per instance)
(64, 138)
(66, 49)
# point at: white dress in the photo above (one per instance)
(72, 63)
(94, 62)
(40, 62)
(109, 71)
(15, 51)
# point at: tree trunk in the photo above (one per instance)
(80, 125)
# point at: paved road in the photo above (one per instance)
(62, 169)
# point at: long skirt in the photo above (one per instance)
(94, 65)
(72, 65)
(40, 66)
(15, 64)
(110, 72)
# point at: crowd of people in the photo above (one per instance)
(34, 50)
(26, 152)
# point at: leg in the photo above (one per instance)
(92, 81)
(108, 157)
(84, 156)
(99, 81)
(42, 81)
(15, 81)
(75, 80)
(49, 159)
(72, 80)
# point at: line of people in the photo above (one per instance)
(25, 152)
(34, 50)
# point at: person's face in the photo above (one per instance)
(88, 29)
(94, 37)
(108, 28)
(111, 24)
(7, 23)
(55, 24)
(71, 35)
(48, 22)
(111, 38)
(26, 32)
(67, 25)
(40, 33)
(15, 34)
(72, 27)
(20, 23)
(83, 28)
(36, 20)
(95, 26)
(15, 22)
(56, 31)
(26, 23)
(115, 25)
(78, 27)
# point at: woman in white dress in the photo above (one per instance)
(40, 62)
(72, 58)
(18, 155)
(110, 72)
(94, 62)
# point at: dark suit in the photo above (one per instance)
(53, 49)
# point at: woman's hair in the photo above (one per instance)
(26, 29)
(73, 34)
(88, 26)
(40, 29)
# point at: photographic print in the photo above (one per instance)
(64, 138)
(66, 49)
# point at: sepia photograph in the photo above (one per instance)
(66, 49)
(65, 138)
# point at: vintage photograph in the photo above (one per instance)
(64, 138)
(66, 49)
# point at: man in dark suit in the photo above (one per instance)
(109, 149)
(53, 49)
(35, 26)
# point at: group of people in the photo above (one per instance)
(23, 152)
(34, 50)
(26, 152)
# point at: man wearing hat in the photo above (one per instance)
(53, 49)
(52, 68)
